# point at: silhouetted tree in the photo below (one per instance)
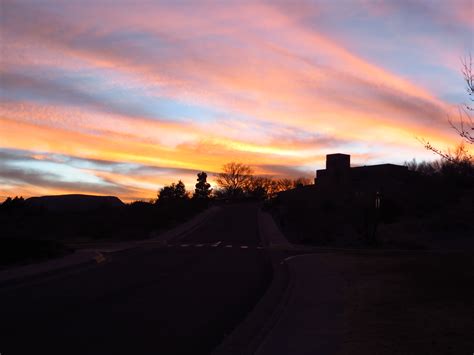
(13, 202)
(464, 126)
(301, 181)
(235, 179)
(173, 192)
(13, 205)
(288, 184)
(203, 188)
(181, 190)
(424, 168)
(261, 187)
(7, 202)
(457, 167)
(284, 184)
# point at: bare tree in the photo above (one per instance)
(263, 187)
(464, 126)
(235, 178)
(288, 184)
(302, 181)
(460, 155)
(285, 184)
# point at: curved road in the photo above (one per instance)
(179, 299)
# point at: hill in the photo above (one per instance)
(75, 202)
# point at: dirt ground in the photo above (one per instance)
(409, 304)
(349, 302)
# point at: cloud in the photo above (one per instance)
(137, 96)
(16, 176)
(62, 173)
(285, 170)
(41, 89)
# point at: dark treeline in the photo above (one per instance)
(456, 167)
(31, 231)
(236, 182)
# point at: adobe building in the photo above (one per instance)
(341, 183)
(341, 205)
(340, 176)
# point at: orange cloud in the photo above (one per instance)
(285, 92)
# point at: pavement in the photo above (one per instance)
(312, 317)
(226, 283)
(220, 283)
(182, 297)
(358, 301)
(90, 253)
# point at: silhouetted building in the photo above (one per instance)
(345, 203)
(339, 176)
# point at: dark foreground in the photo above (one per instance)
(377, 302)
(153, 299)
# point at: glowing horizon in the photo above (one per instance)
(120, 100)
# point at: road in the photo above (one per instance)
(179, 299)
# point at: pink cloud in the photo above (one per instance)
(287, 91)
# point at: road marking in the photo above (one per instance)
(199, 245)
(216, 244)
(185, 245)
(99, 258)
(244, 247)
(228, 246)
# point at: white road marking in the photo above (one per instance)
(216, 244)
(199, 245)
(185, 245)
(99, 258)
(244, 247)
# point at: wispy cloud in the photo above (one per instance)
(138, 95)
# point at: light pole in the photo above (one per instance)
(378, 199)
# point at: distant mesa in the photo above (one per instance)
(74, 202)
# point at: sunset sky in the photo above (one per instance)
(122, 97)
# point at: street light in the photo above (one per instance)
(378, 198)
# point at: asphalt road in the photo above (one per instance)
(179, 299)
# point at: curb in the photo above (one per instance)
(251, 333)
(301, 326)
(279, 310)
(179, 232)
(269, 232)
(247, 337)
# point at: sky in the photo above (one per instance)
(123, 97)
